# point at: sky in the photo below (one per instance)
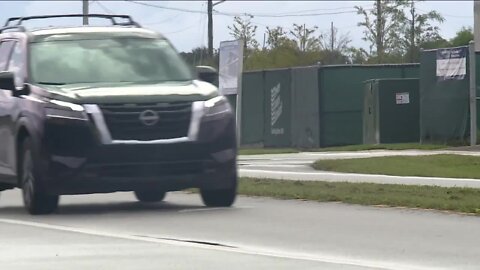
(188, 29)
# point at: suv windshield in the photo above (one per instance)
(125, 59)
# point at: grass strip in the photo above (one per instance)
(265, 151)
(464, 200)
(363, 147)
(393, 146)
(450, 166)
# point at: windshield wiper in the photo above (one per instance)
(162, 81)
(51, 83)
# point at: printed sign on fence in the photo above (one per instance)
(402, 98)
(452, 63)
(276, 104)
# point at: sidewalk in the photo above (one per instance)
(297, 167)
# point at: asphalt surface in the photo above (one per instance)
(297, 167)
(113, 231)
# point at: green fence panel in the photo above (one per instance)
(341, 134)
(342, 86)
(341, 91)
(305, 107)
(444, 105)
(398, 110)
(277, 127)
(477, 69)
(411, 71)
(253, 108)
(370, 130)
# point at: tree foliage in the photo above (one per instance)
(334, 41)
(395, 30)
(463, 37)
(276, 37)
(417, 28)
(305, 37)
(300, 46)
(381, 27)
(335, 46)
(199, 56)
(245, 30)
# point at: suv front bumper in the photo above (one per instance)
(94, 163)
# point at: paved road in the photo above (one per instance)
(112, 231)
(297, 167)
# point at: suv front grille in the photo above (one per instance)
(124, 121)
(152, 169)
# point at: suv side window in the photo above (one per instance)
(5, 50)
(17, 65)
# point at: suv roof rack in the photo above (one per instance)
(130, 21)
(17, 27)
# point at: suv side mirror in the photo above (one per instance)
(207, 74)
(7, 81)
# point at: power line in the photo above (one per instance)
(103, 7)
(449, 15)
(320, 9)
(185, 28)
(291, 29)
(168, 8)
(231, 14)
(162, 21)
(282, 15)
(180, 30)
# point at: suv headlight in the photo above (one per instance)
(216, 106)
(65, 110)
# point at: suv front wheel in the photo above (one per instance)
(36, 201)
(150, 196)
(220, 197)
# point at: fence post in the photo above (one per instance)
(239, 94)
(473, 96)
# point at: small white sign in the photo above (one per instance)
(231, 65)
(403, 98)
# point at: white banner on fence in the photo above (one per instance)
(452, 63)
(231, 66)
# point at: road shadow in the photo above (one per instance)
(109, 208)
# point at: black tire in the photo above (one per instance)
(220, 197)
(150, 196)
(35, 200)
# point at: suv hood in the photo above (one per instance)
(132, 93)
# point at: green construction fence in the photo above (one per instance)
(391, 112)
(305, 108)
(309, 107)
(278, 105)
(341, 99)
(444, 107)
(253, 108)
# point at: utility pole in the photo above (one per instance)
(304, 39)
(210, 28)
(332, 35)
(412, 32)
(379, 30)
(85, 12)
(210, 6)
(264, 36)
